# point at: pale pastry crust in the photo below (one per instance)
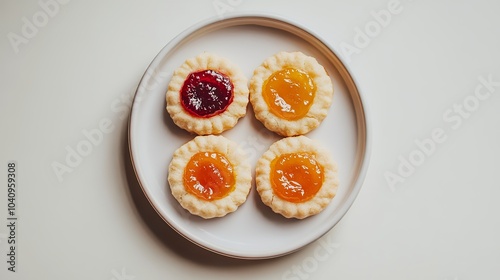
(291, 209)
(214, 208)
(218, 123)
(321, 103)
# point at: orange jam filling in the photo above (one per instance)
(289, 93)
(296, 177)
(209, 176)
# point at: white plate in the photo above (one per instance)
(253, 231)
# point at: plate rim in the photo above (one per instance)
(277, 19)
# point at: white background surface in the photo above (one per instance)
(82, 67)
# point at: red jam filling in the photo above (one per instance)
(206, 93)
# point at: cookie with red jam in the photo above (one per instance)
(207, 95)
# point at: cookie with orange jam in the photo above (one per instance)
(296, 178)
(209, 176)
(290, 93)
(207, 95)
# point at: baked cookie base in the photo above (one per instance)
(215, 208)
(317, 111)
(288, 209)
(218, 123)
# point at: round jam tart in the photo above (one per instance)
(296, 177)
(209, 176)
(290, 93)
(207, 95)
